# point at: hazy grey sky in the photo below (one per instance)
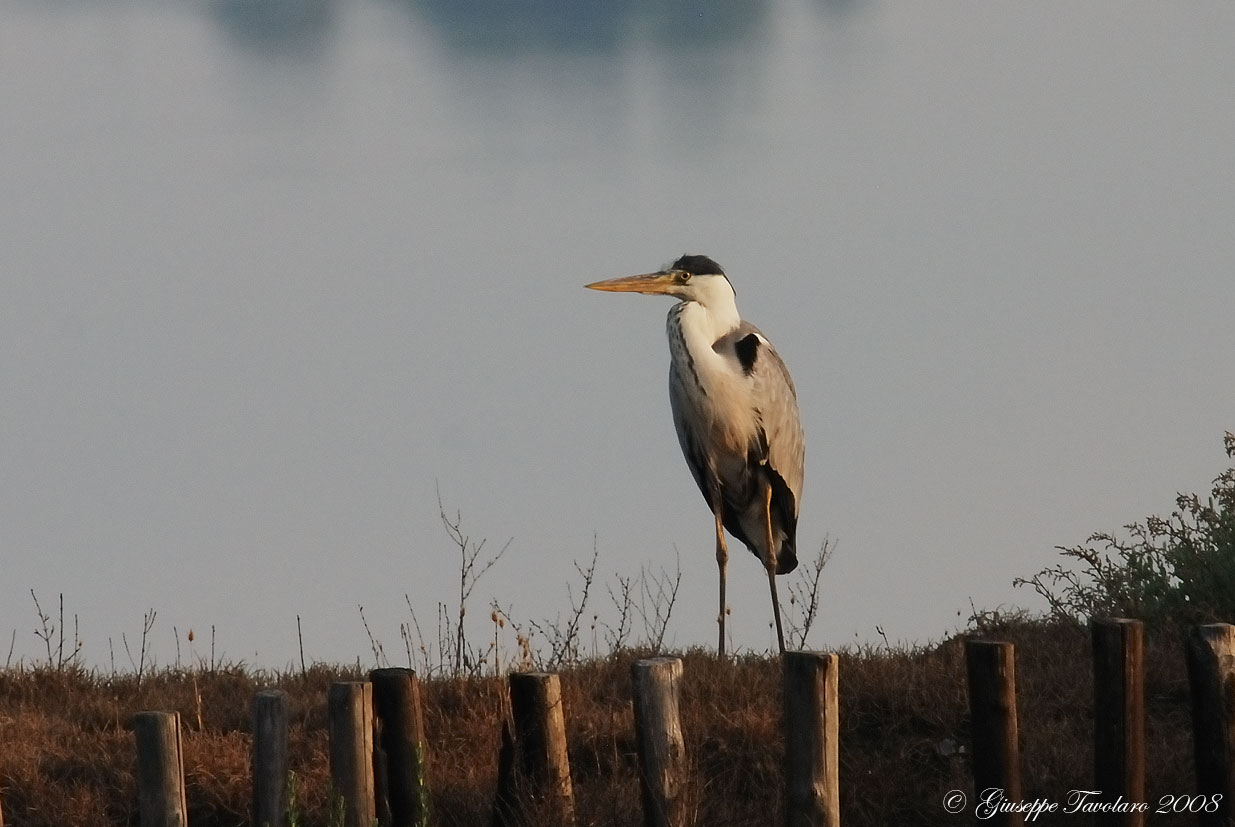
(273, 272)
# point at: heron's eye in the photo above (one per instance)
(683, 277)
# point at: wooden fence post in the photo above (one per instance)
(270, 758)
(659, 742)
(160, 770)
(351, 750)
(1211, 674)
(812, 740)
(991, 667)
(401, 738)
(1119, 717)
(540, 736)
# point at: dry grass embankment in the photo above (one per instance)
(67, 756)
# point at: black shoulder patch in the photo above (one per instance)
(748, 351)
(698, 266)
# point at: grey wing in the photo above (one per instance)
(777, 403)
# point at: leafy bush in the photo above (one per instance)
(1175, 569)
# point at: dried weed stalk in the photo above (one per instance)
(804, 595)
(470, 573)
(49, 630)
(658, 593)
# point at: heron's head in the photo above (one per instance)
(690, 278)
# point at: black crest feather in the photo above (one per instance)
(698, 266)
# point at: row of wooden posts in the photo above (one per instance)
(378, 745)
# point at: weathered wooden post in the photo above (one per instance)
(1211, 674)
(991, 667)
(270, 758)
(160, 770)
(401, 738)
(812, 740)
(540, 737)
(659, 742)
(1119, 717)
(351, 750)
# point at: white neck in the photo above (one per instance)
(713, 295)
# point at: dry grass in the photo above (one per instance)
(67, 756)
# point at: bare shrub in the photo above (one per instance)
(471, 570)
(804, 595)
(50, 630)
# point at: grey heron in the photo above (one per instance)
(736, 413)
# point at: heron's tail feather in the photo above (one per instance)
(787, 559)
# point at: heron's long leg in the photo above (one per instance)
(722, 558)
(770, 563)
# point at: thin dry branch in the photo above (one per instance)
(804, 592)
(470, 573)
(658, 593)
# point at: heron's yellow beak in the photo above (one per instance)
(658, 283)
